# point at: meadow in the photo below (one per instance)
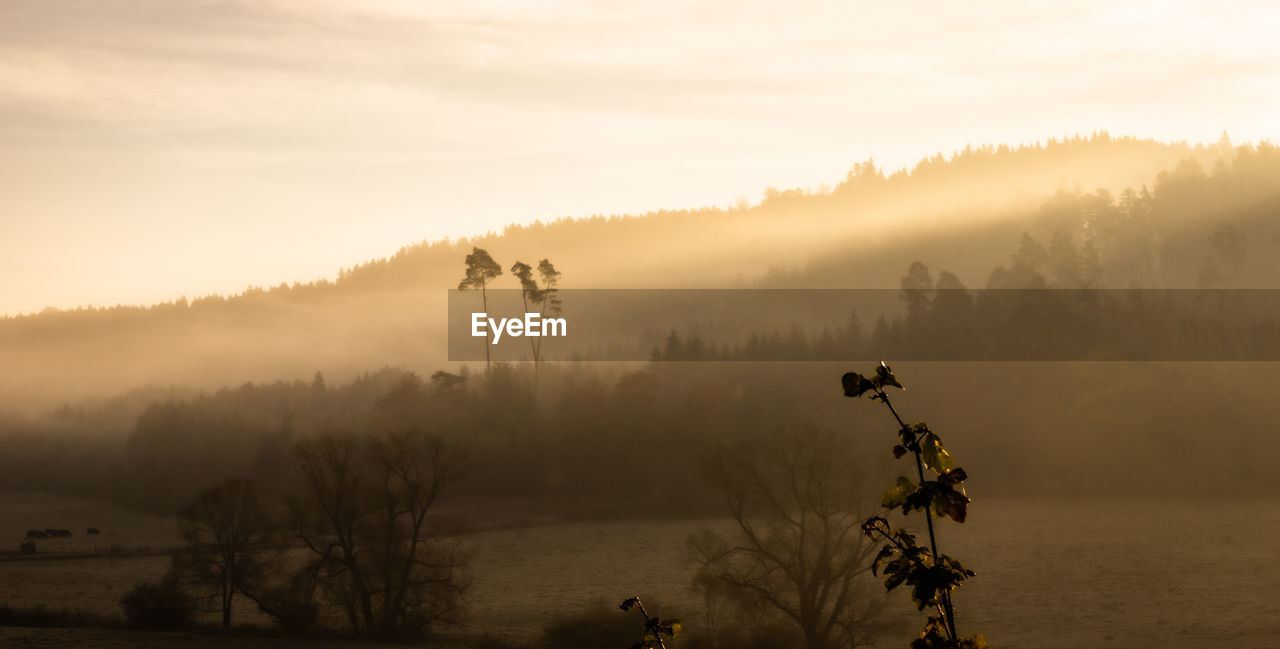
(1051, 573)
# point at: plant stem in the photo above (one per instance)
(949, 616)
(651, 624)
(910, 556)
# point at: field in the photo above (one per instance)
(1052, 574)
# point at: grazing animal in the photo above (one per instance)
(92, 530)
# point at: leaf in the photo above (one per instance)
(949, 503)
(953, 477)
(926, 586)
(933, 636)
(670, 627)
(884, 555)
(885, 377)
(920, 499)
(906, 539)
(935, 457)
(956, 567)
(899, 493)
(899, 451)
(908, 437)
(898, 571)
(876, 525)
(855, 385)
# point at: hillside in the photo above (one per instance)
(965, 214)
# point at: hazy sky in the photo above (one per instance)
(156, 148)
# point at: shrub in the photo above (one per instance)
(42, 616)
(291, 604)
(599, 624)
(161, 605)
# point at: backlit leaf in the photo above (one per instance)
(935, 457)
(949, 503)
(898, 494)
(855, 385)
(885, 377)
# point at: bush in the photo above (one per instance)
(765, 635)
(41, 616)
(600, 624)
(292, 604)
(732, 619)
(160, 605)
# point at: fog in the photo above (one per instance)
(964, 214)
(282, 401)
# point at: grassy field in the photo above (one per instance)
(131, 639)
(1054, 574)
(121, 530)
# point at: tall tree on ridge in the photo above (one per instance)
(545, 298)
(481, 269)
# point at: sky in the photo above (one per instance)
(152, 149)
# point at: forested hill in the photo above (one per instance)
(965, 213)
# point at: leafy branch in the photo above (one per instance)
(654, 628)
(902, 560)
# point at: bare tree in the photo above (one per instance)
(797, 547)
(377, 553)
(225, 533)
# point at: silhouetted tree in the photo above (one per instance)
(1025, 268)
(225, 531)
(917, 292)
(550, 306)
(797, 504)
(1090, 266)
(1064, 262)
(544, 298)
(1209, 276)
(951, 324)
(391, 569)
(1229, 243)
(481, 269)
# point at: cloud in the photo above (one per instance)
(449, 117)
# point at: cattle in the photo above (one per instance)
(92, 530)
